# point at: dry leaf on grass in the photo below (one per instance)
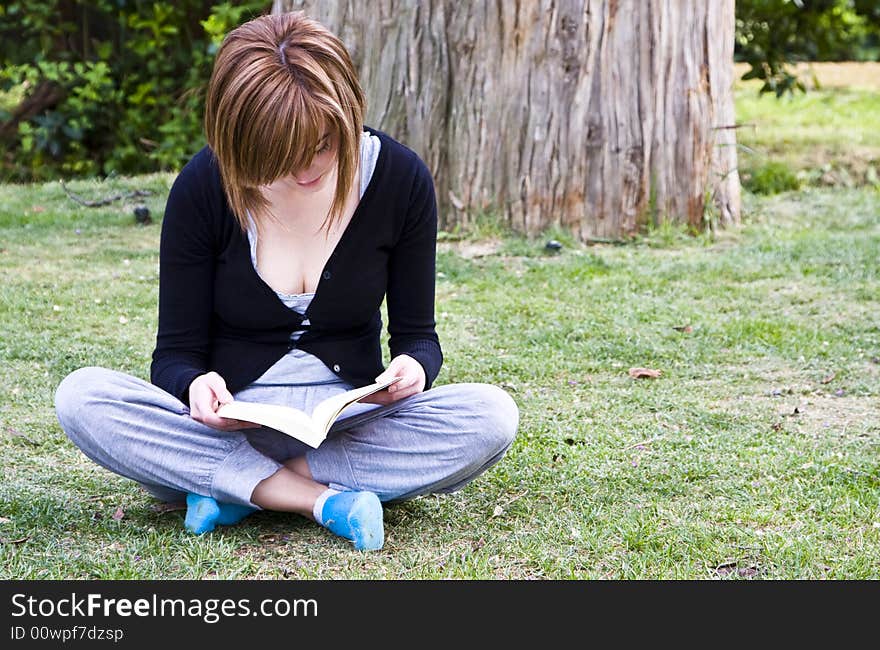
(119, 514)
(828, 378)
(643, 373)
(687, 329)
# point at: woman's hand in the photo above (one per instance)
(206, 393)
(413, 380)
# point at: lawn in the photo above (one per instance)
(754, 455)
(829, 136)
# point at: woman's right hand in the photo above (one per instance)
(206, 393)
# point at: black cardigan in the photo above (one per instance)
(216, 313)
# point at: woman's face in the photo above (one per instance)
(314, 177)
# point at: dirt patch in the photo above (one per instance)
(472, 249)
(820, 414)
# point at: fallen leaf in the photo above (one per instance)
(4, 520)
(641, 373)
(687, 329)
(119, 514)
(828, 378)
(498, 511)
(38, 208)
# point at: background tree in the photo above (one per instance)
(597, 116)
(109, 86)
(770, 34)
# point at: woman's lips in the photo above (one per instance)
(310, 183)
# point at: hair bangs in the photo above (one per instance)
(289, 142)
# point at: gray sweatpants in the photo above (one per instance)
(435, 441)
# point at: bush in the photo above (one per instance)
(106, 87)
(770, 178)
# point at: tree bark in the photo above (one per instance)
(598, 116)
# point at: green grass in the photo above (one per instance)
(827, 137)
(755, 454)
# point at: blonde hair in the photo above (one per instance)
(279, 83)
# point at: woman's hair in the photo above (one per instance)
(279, 83)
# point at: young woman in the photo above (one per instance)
(280, 240)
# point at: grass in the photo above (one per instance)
(753, 455)
(829, 136)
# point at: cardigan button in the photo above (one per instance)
(327, 275)
(336, 367)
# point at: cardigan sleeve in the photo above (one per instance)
(186, 272)
(411, 280)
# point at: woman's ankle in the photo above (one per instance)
(356, 516)
(287, 491)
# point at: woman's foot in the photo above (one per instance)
(204, 513)
(356, 516)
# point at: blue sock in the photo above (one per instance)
(232, 513)
(204, 513)
(353, 515)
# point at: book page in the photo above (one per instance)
(286, 419)
(326, 412)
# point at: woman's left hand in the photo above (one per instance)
(412, 382)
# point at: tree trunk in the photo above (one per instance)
(598, 116)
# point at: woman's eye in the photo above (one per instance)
(325, 147)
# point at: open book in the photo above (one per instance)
(311, 430)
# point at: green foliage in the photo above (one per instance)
(772, 33)
(128, 79)
(771, 177)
